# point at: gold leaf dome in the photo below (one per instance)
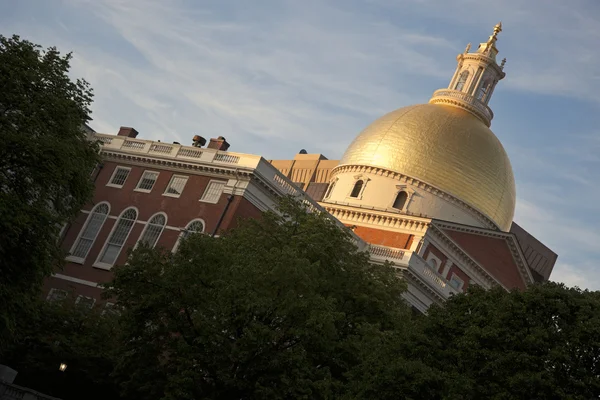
(446, 147)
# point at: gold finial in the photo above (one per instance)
(468, 48)
(497, 30)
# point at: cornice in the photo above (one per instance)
(190, 167)
(377, 218)
(415, 182)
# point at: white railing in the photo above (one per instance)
(191, 153)
(9, 391)
(418, 266)
(161, 148)
(226, 158)
(467, 98)
(386, 252)
(112, 142)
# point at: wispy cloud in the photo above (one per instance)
(277, 76)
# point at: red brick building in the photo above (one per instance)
(157, 193)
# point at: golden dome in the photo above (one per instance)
(446, 147)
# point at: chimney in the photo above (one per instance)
(218, 144)
(199, 141)
(129, 132)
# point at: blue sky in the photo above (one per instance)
(275, 76)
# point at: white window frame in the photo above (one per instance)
(433, 257)
(80, 297)
(106, 266)
(357, 178)
(147, 224)
(54, 290)
(81, 260)
(330, 187)
(213, 181)
(165, 193)
(137, 187)
(183, 232)
(455, 277)
(113, 175)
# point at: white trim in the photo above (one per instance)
(76, 260)
(137, 187)
(183, 230)
(460, 281)
(85, 297)
(147, 223)
(113, 175)
(81, 260)
(76, 280)
(53, 290)
(224, 183)
(101, 265)
(187, 177)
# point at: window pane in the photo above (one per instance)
(212, 194)
(148, 180)
(176, 185)
(153, 230)
(90, 231)
(118, 236)
(195, 227)
(120, 176)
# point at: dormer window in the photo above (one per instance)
(400, 201)
(357, 188)
(462, 79)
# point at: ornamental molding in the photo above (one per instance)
(417, 183)
(370, 217)
(464, 105)
(177, 165)
(508, 237)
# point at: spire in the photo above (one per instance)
(475, 79)
(497, 30)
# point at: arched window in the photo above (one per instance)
(357, 188)
(484, 88)
(90, 231)
(400, 201)
(330, 189)
(118, 236)
(195, 226)
(153, 230)
(462, 79)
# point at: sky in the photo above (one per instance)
(277, 76)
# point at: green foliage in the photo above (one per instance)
(45, 167)
(64, 332)
(281, 307)
(542, 343)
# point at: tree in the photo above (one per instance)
(45, 167)
(281, 307)
(65, 332)
(541, 343)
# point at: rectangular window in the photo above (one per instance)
(86, 302)
(119, 177)
(147, 181)
(57, 295)
(456, 282)
(213, 192)
(176, 185)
